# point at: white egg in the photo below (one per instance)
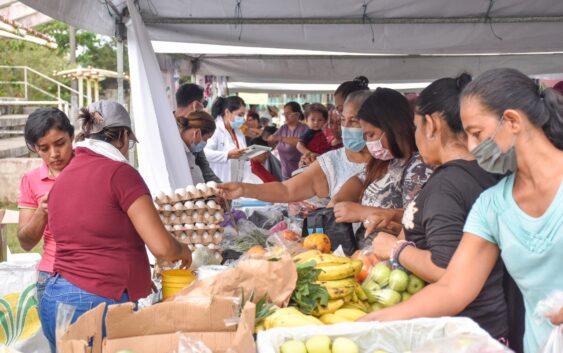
(168, 227)
(206, 215)
(173, 217)
(189, 226)
(200, 204)
(189, 204)
(219, 217)
(180, 191)
(202, 187)
(167, 207)
(211, 204)
(162, 217)
(200, 226)
(178, 206)
(212, 184)
(191, 189)
(177, 227)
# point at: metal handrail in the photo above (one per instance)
(40, 74)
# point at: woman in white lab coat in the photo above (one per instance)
(225, 147)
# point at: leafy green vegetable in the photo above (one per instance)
(263, 307)
(308, 294)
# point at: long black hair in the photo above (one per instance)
(442, 96)
(41, 121)
(230, 103)
(295, 108)
(389, 111)
(502, 89)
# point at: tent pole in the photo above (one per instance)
(120, 93)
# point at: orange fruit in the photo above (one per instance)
(317, 241)
(256, 250)
(290, 235)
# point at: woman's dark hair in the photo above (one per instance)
(502, 89)
(198, 120)
(318, 108)
(254, 116)
(41, 121)
(389, 111)
(359, 83)
(109, 135)
(295, 108)
(442, 96)
(230, 103)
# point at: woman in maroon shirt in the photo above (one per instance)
(101, 217)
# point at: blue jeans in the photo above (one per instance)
(42, 278)
(59, 290)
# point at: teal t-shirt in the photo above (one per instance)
(531, 248)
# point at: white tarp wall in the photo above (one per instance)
(162, 160)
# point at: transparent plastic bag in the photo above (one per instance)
(65, 313)
(551, 305)
(187, 344)
(463, 343)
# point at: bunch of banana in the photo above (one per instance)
(288, 317)
(342, 315)
(337, 276)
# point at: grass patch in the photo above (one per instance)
(12, 232)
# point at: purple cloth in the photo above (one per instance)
(289, 155)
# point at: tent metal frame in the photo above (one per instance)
(349, 21)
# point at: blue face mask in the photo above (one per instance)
(353, 138)
(238, 122)
(198, 147)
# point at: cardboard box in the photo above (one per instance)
(156, 329)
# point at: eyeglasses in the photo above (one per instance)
(132, 139)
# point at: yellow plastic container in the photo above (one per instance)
(174, 281)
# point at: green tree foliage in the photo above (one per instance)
(92, 50)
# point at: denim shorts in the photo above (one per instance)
(59, 290)
(42, 278)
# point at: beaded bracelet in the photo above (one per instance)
(403, 247)
(399, 246)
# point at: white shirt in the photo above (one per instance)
(217, 150)
(338, 169)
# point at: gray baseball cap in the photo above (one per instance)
(108, 114)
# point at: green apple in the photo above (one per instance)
(388, 297)
(405, 296)
(344, 345)
(380, 274)
(398, 280)
(415, 284)
(376, 306)
(293, 346)
(318, 344)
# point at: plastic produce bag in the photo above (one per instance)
(545, 308)
(266, 220)
(187, 344)
(65, 313)
(391, 337)
(22, 329)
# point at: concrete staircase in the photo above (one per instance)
(12, 143)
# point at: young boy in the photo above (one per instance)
(313, 142)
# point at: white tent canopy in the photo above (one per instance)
(409, 32)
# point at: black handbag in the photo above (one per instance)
(322, 220)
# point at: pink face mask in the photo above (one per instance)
(377, 150)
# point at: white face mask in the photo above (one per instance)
(377, 150)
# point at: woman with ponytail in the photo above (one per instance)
(515, 127)
(228, 143)
(196, 129)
